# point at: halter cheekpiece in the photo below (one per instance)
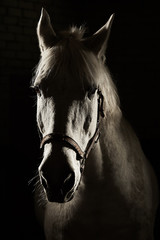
(71, 143)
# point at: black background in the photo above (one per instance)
(133, 58)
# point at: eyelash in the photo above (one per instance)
(37, 90)
(91, 92)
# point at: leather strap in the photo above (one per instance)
(64, 140)
(71, 143)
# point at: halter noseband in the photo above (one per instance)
(71, 143)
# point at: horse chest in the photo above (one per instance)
(103, 207)
(98, 222)
(97, 217)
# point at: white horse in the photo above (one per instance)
(110, 191)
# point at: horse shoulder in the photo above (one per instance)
(129, 171)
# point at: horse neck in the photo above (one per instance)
(118, 142)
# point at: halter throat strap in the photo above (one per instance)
(71, 143)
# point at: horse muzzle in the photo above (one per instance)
(60, 192)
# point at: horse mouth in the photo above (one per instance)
(58, 196)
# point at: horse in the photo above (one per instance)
(94, 181)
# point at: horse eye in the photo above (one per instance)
(37, 89)
(91, 92)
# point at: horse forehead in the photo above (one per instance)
(66, 90)
(68, 100)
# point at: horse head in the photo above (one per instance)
(69, 103)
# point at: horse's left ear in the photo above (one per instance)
(45, 32)
(98, 41)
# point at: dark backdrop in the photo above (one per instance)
(133, 58)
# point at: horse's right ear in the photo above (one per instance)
(98, 41)
(45, 32)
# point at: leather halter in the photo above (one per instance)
(71, 143)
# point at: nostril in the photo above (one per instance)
(58, 189)
(68, 183)
(43, 181)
